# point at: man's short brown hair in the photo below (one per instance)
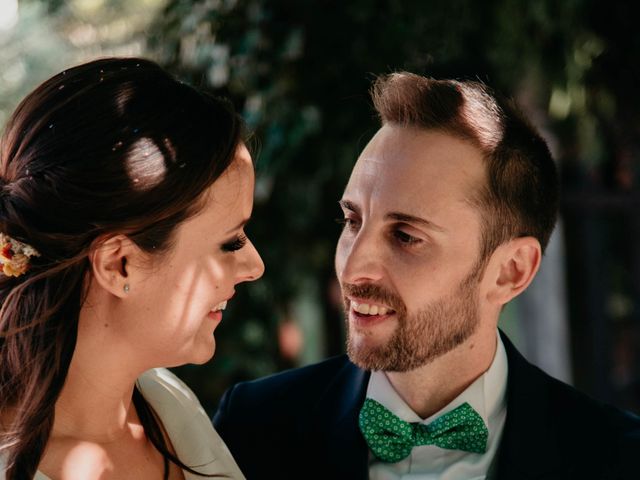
(520, 195)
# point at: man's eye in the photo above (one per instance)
(404, 238)
(348, 223)
(235, 244)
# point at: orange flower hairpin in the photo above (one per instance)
(15, 256)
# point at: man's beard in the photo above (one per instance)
(419, 338)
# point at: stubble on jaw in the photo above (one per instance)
(419, 338)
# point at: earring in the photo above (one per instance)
(126, 288)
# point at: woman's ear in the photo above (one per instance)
(110, 262)
(518, 262)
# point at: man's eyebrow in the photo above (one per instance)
(396, 216)
(240, 225)
(405, 217)
(347, 205)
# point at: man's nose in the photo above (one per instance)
(362, 259)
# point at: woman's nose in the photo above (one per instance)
(252, 266)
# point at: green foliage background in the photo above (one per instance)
(299, 71)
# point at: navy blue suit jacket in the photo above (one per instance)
(303, 424)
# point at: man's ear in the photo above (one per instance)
(515, 264)
(110, 262)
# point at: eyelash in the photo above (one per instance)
(235, 244)
(345, 222)
(405, 239)
(401, 237)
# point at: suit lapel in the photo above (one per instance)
(336, 425)
(528, 448)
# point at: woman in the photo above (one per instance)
(124, 194)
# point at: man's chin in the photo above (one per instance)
(365, 361)
(368, 353)
(387, 355)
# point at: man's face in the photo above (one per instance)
(408, 257)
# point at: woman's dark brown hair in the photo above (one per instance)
(112, 146)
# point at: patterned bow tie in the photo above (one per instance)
(391, 439)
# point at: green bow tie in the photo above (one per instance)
(391, 439)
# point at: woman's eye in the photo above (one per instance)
(405, 239)
(235, 244)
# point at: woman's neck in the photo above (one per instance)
(96, 402)
(94, 408)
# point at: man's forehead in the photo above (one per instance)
(411, 163)
(397, 143)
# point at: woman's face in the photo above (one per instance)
(175, 305)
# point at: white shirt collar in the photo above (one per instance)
(487, 395)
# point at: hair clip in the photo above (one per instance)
(15, 256)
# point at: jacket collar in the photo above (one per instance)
(529, 445)
(336, 424)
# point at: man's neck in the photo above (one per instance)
(429, 388)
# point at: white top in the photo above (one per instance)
(428, 462)
(187, 425)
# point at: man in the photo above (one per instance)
(446, 215)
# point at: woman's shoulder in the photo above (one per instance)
(166, 380)
(187, 424)
(164, 390)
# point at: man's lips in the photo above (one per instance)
(360, 320)
(377, 312)
(369, 307)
